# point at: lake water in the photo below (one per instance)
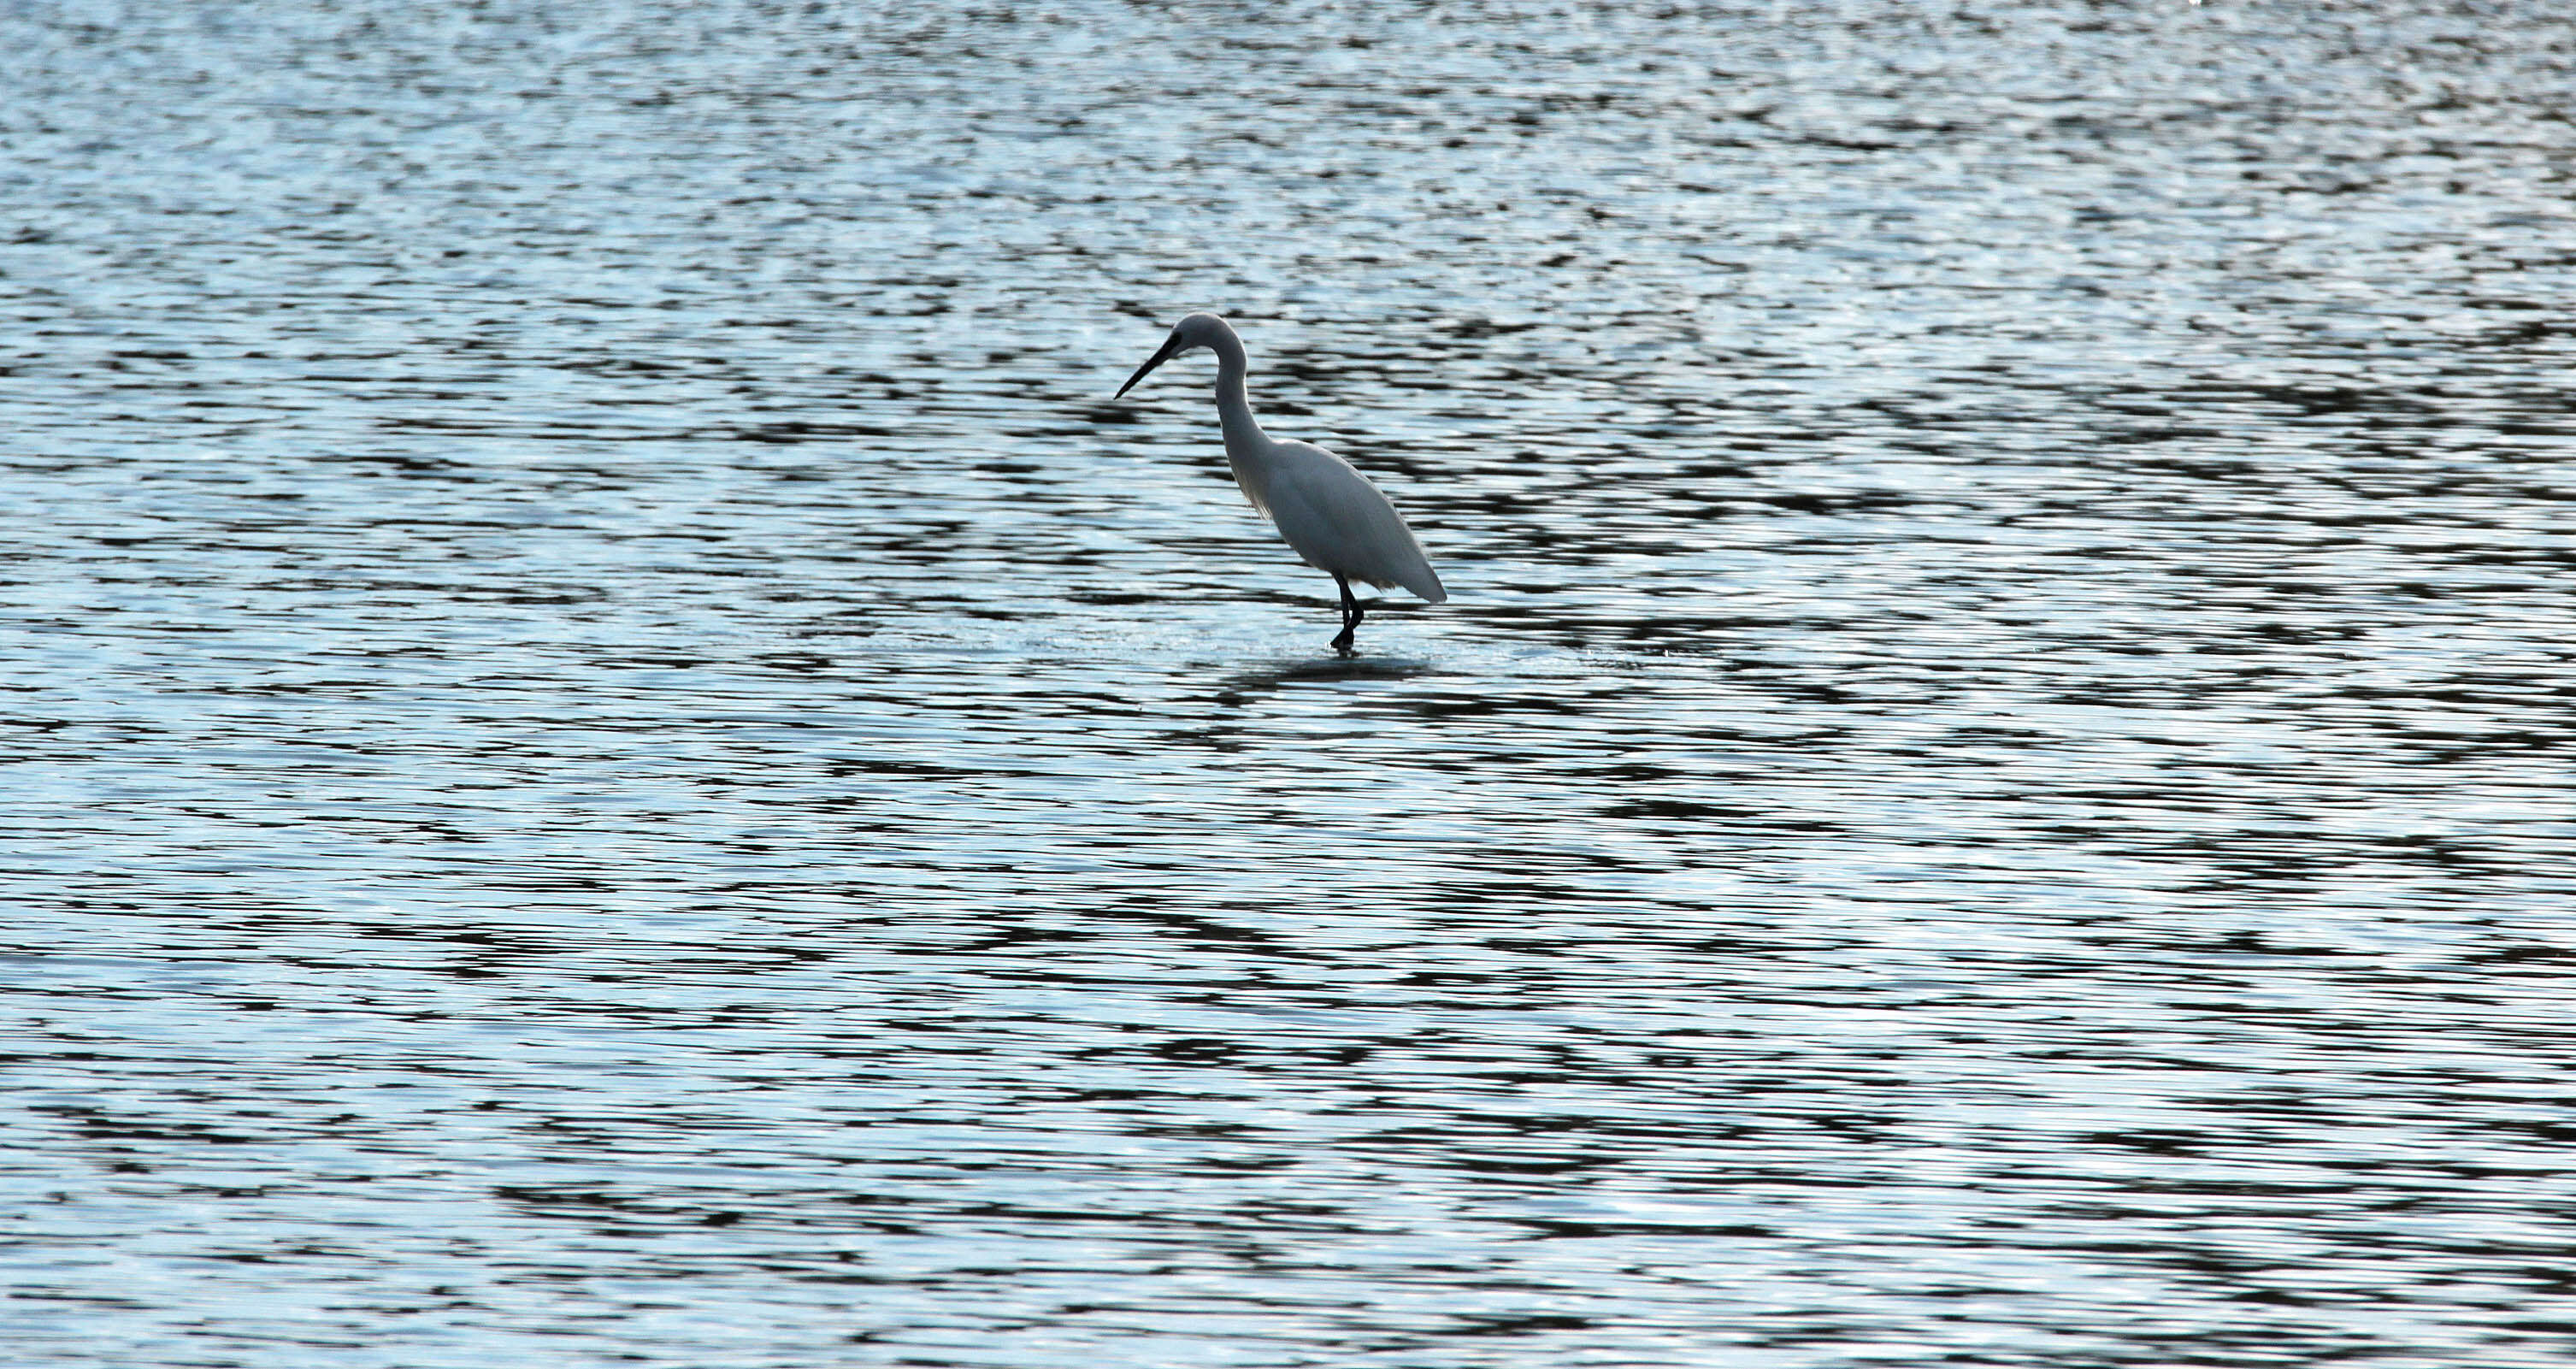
(616, 754)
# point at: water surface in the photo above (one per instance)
(616, 755)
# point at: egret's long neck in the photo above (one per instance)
(1233, 410)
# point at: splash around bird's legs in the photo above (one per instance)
(1351, 613)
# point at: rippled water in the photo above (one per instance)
(616, 755)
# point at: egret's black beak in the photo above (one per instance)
(1170, 349)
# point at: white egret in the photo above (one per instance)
(1329, 512)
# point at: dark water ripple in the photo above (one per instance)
(617, 756)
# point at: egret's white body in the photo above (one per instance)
(1329, 512)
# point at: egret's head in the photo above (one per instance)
(1198, 330)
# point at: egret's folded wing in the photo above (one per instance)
(1341, 524)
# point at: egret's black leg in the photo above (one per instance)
(1350, 616)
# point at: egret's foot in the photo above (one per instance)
(1351, 614)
